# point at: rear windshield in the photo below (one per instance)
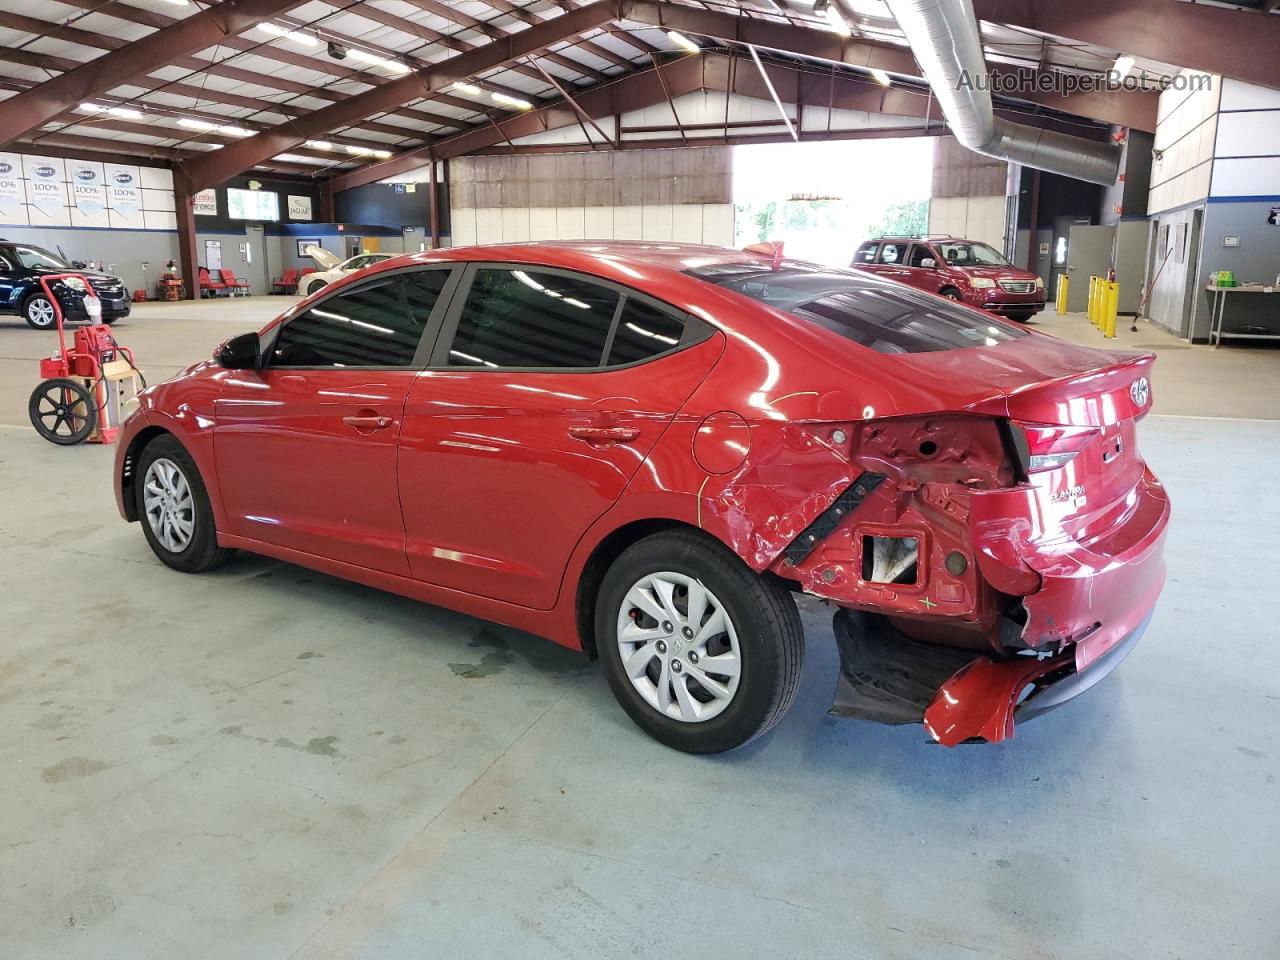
(883, 316)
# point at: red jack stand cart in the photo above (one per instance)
(83, 391)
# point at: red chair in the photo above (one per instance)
(288, 283)
(209, 286)
(234, 283)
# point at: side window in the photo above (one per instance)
(920, 253)
(889, 253)
(528, 318)
(367, 327)
(866, 253)
(643, 331)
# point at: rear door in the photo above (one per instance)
(891, 261)
(545, 393)
(306, 445)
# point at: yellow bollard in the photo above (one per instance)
(1063, 279)
(1092, 311)
(1111, 304)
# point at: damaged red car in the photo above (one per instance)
(644, 451)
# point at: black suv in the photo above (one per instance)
(21, 294)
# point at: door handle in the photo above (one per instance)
(604, 434)
(368, 423)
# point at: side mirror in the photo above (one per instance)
(239, 353)
(929, 263)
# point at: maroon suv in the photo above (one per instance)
(965, 270)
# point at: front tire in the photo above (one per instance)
(174, 508)
(39, 313)
(313, 287)
(951, 293)
(702, 653)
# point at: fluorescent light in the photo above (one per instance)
(514, 102)
(230, 130)
(1124, 63)
(395, 66)
(177, 3)
(470, 89)
(306, 39)
(127, 112)
(683, 42)
(367, 152)
(237, 131)
(881, 77)
(91, 108)
(319, 144)
(192, 123)
(837, 22)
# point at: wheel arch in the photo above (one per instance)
(129, 466)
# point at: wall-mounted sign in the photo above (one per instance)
(12, 196)
(1273, 217)
(87, 187)
(255, 184)
(399, 187)
(47, 188)
(1044, 249)
(124, 194)
(299, 208)
(1231, 241)
(205, 203)
(213, 254)
(305, 242)
(410, 188)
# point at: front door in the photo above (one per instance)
(306, 445)
(255, 267)
(546, 392)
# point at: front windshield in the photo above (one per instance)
(963, 253)
(35, 258)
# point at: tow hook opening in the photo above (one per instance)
(890, 559)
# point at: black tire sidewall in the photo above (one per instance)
(202, 551)
(739, 591)
(91, 410)
(26, 312)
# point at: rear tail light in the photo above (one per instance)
(1044, 446)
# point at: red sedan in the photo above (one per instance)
(644, 450)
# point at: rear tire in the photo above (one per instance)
(173, 507)
(313, 287)
(654, 666)
(951, 293)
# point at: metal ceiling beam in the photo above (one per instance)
(28, 111)
(206, 171)
(711, 71)
(1238, 44)
(1129, 108)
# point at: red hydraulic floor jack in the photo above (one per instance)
(83, 390)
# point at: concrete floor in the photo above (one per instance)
(268, 763)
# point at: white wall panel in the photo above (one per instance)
(686, 223)
(717, 224)
(515, 224)
(1246, 177)
(1237, 95)
(159, 220)
(488, 225)
(542, 223)
(157, 178)
(599, 223)
(462, 226)
(1252, 134)
(571, 223)
(656, 222)
(628, 223)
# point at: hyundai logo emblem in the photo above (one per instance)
(1140, 392)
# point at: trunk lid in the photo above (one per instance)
(325, 259)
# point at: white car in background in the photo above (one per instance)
(331, 268)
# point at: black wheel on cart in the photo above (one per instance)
(62, 411)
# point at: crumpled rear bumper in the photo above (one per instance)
(958, 695)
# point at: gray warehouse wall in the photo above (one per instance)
(121, 252)
(1256, 260)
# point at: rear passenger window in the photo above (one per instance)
(866, 254)
(528, 318)
(368, 327)
(643, 331)
(889, 253)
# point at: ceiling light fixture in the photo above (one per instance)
(367, 152)
(1120, 69)
(177, 3)
(881, 77)
(683, 42)
(306, 39)
(395, 66)
(205, 126)
(837, 22)
(514, 102)
(128, 113)
(470, 89)
(319, 144)
(193, 124)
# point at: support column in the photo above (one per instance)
(435, 208)
(188, 251)
(1033, 248)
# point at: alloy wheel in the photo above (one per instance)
(40, 313)
(679, 647)
(169, 505)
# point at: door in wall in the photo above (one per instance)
(253, 259)
(1088, 254)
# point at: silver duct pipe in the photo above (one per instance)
(944, 38)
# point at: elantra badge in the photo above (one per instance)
(1140, 392)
